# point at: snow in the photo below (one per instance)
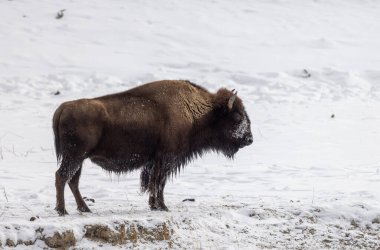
(241, 129)
(307, 72)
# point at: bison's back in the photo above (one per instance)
(173, 97)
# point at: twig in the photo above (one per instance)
(5, 194)
(27, 208)
(312, 200)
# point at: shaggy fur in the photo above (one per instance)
(158, 127)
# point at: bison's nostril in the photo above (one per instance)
(250, 140)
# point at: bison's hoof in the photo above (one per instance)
(84, 209)
(163, 209)
(159, 208)
(61, 212)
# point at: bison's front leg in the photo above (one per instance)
(156, 188)
(156, 198)
(160, 195)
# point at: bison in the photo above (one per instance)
(157, 127)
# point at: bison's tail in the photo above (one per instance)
(57, 143)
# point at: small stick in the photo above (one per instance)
(27, 208)
(5, 194)
(188, 200)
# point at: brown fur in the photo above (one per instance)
(159, 127)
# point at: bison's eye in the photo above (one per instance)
(237, 117)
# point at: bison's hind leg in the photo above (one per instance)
(74, 186)
(77, 129)
(67, 170)
(70, 171)
(60, 183)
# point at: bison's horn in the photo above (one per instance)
(232, 100)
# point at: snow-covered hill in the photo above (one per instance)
(307, 71)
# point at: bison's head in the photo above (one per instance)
(232, 124)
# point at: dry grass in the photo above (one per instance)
(121, 234)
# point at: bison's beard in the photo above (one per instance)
(230, 150)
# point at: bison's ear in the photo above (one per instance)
(224, 100)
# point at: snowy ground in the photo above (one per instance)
(309, 180)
